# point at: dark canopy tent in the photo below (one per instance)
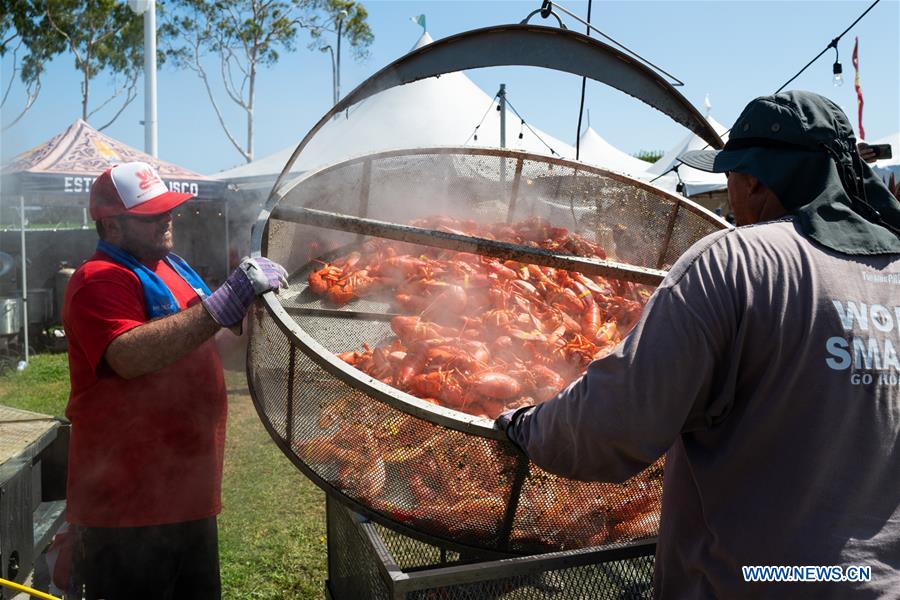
(50, 186)
(60, 171)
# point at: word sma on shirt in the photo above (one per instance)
(866, 344)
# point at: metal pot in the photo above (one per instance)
(10, 316)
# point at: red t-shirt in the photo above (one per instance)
(145, 451)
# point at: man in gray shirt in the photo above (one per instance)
(766, 368)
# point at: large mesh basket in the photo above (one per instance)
(374, 447)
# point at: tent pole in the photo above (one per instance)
(24, 273)
(502, 106)
(227, 244)
(502, 95)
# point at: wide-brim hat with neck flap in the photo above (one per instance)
(802, 146)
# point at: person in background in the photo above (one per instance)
(866, 153)
(148, 400)
(765, 369)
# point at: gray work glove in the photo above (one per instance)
(254, 276)
(507, 423)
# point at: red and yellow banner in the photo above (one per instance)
(859, 96)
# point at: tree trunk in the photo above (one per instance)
(86, 88)
(85, 92)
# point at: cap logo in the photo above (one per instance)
(148, 179)
(136, 183)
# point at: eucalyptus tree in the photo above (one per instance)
(239, 37)
(103, 36)
(29, 48)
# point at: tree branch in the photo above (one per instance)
(34, 89)
(212, 99)
(236, 96)
(12, 75)
(129, 86)
(132, 94)
(9, 39)
(298, 21)
(236, 26)
(240, 67)
(68, 38)
(109, 33)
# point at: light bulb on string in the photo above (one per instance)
(837, 69)
(838, 79)
(521, 126)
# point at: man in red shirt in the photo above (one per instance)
(148, 400)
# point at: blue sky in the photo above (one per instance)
(732, 50)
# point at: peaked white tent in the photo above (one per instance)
(438, 111)
(695, 182)
(595, 150)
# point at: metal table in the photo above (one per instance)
(33, 460)
(367, 561)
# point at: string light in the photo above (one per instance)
(836, 68)
(474, 134)
(679, 187)
(515, 112)
(838, 80)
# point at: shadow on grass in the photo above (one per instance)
(272, 526)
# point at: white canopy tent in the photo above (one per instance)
(438, 111)
(695, 182)
(595, 150)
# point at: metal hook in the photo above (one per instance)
(546, 10)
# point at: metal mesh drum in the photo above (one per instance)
(370, 445)
(440, 475)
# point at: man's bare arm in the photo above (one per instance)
(157, 344)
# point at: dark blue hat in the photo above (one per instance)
(802, 146)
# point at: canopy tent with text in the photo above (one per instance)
(44, 218)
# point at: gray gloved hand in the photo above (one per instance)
(254, 276)
(507, 423)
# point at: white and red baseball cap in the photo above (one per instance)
(133, 188)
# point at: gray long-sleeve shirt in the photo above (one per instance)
(766, 367)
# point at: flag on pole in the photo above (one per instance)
(859, 97)
(420, 21)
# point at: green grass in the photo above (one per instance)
(272, 526)
(43, 387)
